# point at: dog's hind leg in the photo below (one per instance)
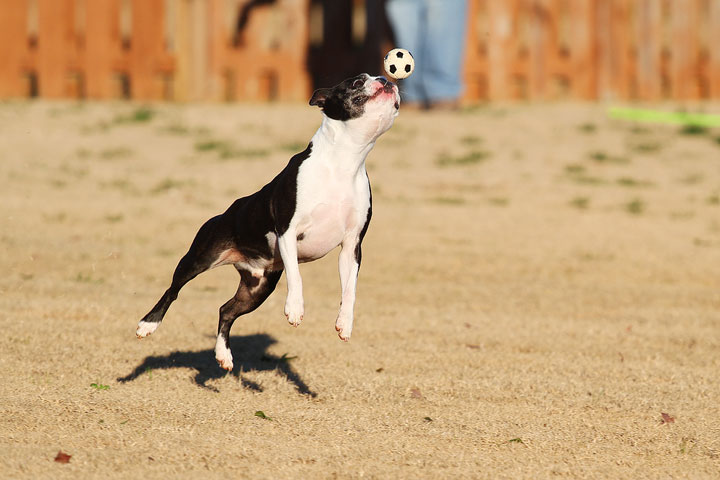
(209, 249)
(251, 293)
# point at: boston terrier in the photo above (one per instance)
(320, 200)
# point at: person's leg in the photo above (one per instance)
(406, 19)
(444, 49)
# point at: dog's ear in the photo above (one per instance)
(319, 97)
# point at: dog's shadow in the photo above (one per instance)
(249, 354)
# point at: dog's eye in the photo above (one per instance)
(358, 100)
(358, 83)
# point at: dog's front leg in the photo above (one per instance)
(294, 304)
(349, 266)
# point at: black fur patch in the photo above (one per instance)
(343, 101)
(358, 247)
(268, 210)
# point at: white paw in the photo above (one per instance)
(223, 355)
(146, 328)
(343, 326)
(294, 311)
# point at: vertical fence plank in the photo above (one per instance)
(56, 24)
(714, 49)
(147, 49)
(13, 47)
(102, 46)
(582, 50)
(604, 49)
(621, 36)
(648, 43)
(539, 48)
(684, 53)
(498, 37)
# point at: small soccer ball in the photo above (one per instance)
(399, 63)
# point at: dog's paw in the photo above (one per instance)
(223, 355)
(146, 328)
(294, 311)
(344, 328)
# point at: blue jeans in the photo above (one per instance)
(434, 32)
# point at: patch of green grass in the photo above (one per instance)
(682, 215)
(262, 415)
(588, 180)
(226, 150)
(73, 171)
(243, 153)
(83, 278)
(176, 129)
(115, 153)
(285, 358)
(139, 115)
(602, 157)
(580, 202)
(717, 139)
(635, 207)
(471, 158)
(499, 201)
(448, 200)
(587, 128)
(574, 169)
(122, 184)
(209, 145)
(631, 182)
(713, 199)
(428, 419)
(470, 140)
(646, 147)
(640, 130)
(692, 179)
(100, 386)
(693, 130)
(83, 153)
(114, 218)
(167, 185)
(293, 147)
(57, 183)
(516, 440)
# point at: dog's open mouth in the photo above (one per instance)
(387, 89)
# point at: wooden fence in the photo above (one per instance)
(258, 49)
(152, 49)
(594, 49)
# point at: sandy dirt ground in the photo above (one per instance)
(540, 284)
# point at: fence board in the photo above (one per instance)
(102, 47)
(56, 46)
(194, 49)
(13, 47)
(684, 50)
(714, 49)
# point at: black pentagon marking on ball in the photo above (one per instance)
(399, 54)
(407, 68)
(393, 69)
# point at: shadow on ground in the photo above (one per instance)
(249, 354)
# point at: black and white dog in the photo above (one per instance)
(320, 200)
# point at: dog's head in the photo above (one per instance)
(368, 103)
